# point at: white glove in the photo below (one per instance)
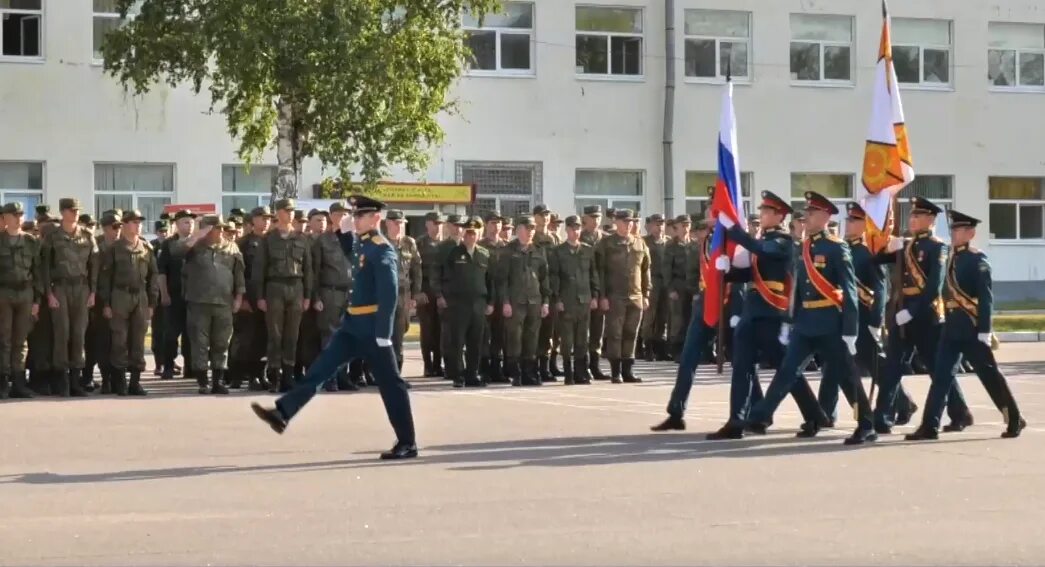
(851, 343)
(722, 264)
(733, 321)
(347, 225)
(785, 334)
(903, 317)
(384, 342)
(984, 338)
(876, 332)
(895, 244)
(725, 220)
(742, 258)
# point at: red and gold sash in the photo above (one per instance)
(820, 283)
(705, 264)
(959, 299)
(774, 293)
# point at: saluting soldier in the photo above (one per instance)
(680, 299)
(427, 310)
(20, 294)
(624, 275)
(409, 270)
(655, 318)
(214, 288)
(493, 338)
(249, 335)
(574, 284)
(522, 288)
(99, 335)
(591, 234)
(544, 239)
(127, 288)
(333, 283)
(172, 299)
(282, 281)
(451, 238)
(162, 227)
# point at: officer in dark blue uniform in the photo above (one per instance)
(919, 314)
(365, 332)
(826, 318)
(967, 332)
(766, 306)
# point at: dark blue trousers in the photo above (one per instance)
(948, 357)
(869, 358)
(345, 347)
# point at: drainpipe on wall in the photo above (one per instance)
(669, 107)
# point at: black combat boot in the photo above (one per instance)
(72, 376)
(640, 348)
(626, 373)
(495, 374)
(201, 383)
(19, 388)
(216, 382)
(106, 381)
(368, 376)
(287, 380)
(235, 375)
(593, 367)
(87, 379)
(437, 366)
(135, 388)
(484, 368)
(567, 365)
(615, 371)
(5, 386)
(168, 371)
(542, 370)
(344, 383)
(531, 376)
(959, 424)
(513, 371)
(60, 383)
(580, 371)
(40, 383)
(119, 382)
(272, 377)
(553, 365)
(650, 354)
(426, 358)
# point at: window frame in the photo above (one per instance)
(747, 186)
(612, 200)
(499, 31)
(945, 203)
(921, 84)
(609, 75)
(719, 78)
(822, 82)
(131, 14)
(1017, 88)
(9, 193)
(136, 195)
(42, 20)
(797, 203)
(263, 199)
(1017, 204)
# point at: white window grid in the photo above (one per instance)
(798, 202)
(245, 200)
(698, 203)
(30, 197)
(608, 200)
(38, 16)
(101, 15)
(1019, 53)
(823, 45)
(609, 46)
(949, 48)
(501, 31)
(719, 76)
(1017, 205)
(150, 202)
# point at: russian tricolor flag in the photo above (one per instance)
(728, 200)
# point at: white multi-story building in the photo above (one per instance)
(565, 105)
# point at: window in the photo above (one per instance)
(718, 43)
(614, 189)
(936, 188)
(821, 48)
(922, 51)
(609, 41)
(1016, 57)
(21, 28)
(22, 182)
(697, 183)
(838, 187)
(1017, 208)
(147, 187)
(509, 187)
(502, 43)
(245, 190)
(106, 19)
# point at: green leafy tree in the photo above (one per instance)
(357, 83)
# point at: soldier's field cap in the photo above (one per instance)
(165, 216)
(110, 219)
(68, 203)
(655, 218)
(492, 216)
(435, 216)
(43, 209)
(700, 224)
(962, 220)
(592, 211)
(454, 219)
(923, 206)
(395, 215)
(854, 211)
(213, 221)
(362, 204)
(624, 214)
(284, 205)
(541, 209)
(338, 207)
(261, 212)
(573, 220)
(817, 202)
(133, 215)
(184, 214)
(238, 212)
(798, 216)
(506, 223)
(14, 208)
(319, 212)
(554, 219)
(473, 223)
(86, 220)
(299, 215)
(773, 201)
(525, 220)
(683, 219)
(161, 225)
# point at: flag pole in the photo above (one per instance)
(720, 349)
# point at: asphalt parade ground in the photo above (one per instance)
(539, 476)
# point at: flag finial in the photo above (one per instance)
(885, 8)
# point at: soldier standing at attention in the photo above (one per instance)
(655, 318)
(249, 337)
(333, 283)
(214, 288)
(171, 297)
(20, 294)
(427, 310)
(967, 333)
(282, 281)
(591, 234)
(308, 335)
(40, 362)
(99, 335)
(522, 283)
(574, 283)
(409, 270)
(451, 238)
(624, 275)
(554, 227)
(70, 274)
(506, 230)
(300, 221)
(545, 240)
(161, 228)
(490, 367)
(680, 300)
(127, 290)
(465, 288)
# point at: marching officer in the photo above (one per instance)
(826, 321)
(967, 333)
(409, 270)
(249, 335)
(451, 238)
(522, 283)
(655, 318)
(427, 310)
(171, 297)
(919, 316)
(333, 282)
(624, 275)
(214, 288)
(493, 339)
(282, 280)
(591, 234)
(574, 283)
(19, 299)
(99, 334)
(70, 274)
(127, 290)
(161, 228)
(674, 275)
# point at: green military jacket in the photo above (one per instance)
(574, 277)
(591, 238)
(673, 270)
(128, 269)
(694, 256)
(428, 248)
(212, 274)
(283, 259)
(545, 240)
(69, 257)
(439, 263)
(466, 277)
(332, 270)
(248, 248)
(20, 268)
(656, 247)
(522, 275)
(410, 276)
(624, 267)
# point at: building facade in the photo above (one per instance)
(565, 105)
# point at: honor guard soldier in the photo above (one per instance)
(249, 337)
(282, 281)
(20, 294)
(591, 234)
(680, 300)
(825, 321)
(171, 297)
(427, 310)
(919, 314)
(574, 284)
(761, 331)
(545, 240)
(128, 291)
(967, 333)
(70, 274)
(333, 283)
(522, 289)
(655, 318)
(451, 238)
(466, 287)
(491, 365)
(365, 332)
(624, 276)
(160, 228)
(409, 270)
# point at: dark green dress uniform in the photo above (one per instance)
(923, 260)
(625, 282)
(546, 240)
(493, 338)
(158, 320)
(409, 283)
(825, 321)
(967, 333)
(20, 293)
(680, 299)
(574, 283)
(522, 284)
(654, 330)
(127, 287)
(428, 313)
(249, 335)
(467, 287)
(598, 319)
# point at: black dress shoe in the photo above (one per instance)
(883, 429)
(756, 428)
(474, 383)
(726, 432)
(808, 430)
(271, 416)
(458, 383)
(959, 425)
(670, 424)
(861, 436)
(400, 451)
(904, 416)
(1014, 431)
(923, 433)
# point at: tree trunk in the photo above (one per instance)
(288, 154)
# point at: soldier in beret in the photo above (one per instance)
(427, 310)
(20, 295)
